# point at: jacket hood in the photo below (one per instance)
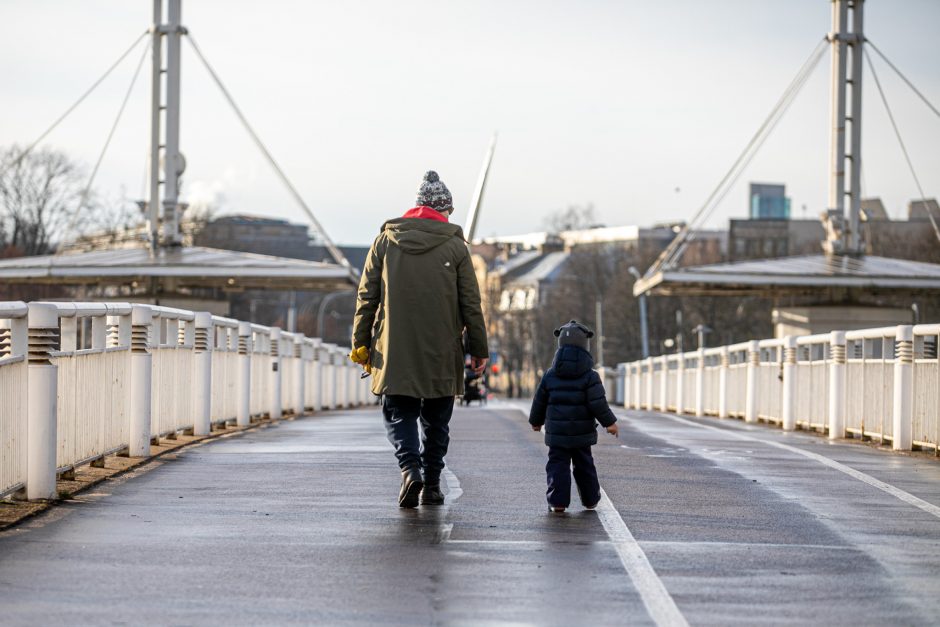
(419, 235)
(572, 362)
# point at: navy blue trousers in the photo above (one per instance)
(402, 415)
(558, 471)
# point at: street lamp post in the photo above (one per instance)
(644, 329)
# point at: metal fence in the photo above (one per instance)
(79, 381)
(881, 384)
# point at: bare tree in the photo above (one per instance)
(574, 218)
(39, 197)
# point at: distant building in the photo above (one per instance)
(873, 210)
(271, 236)
(919, 209)
(765, 239)
(768, 202)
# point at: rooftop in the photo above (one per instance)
(805, 274)
(185, 266)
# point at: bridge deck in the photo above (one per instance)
(298, 523)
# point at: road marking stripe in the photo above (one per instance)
(660, 605)
(453, 486)
(907, 497)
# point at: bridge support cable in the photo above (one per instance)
(83, 198)
(903, 78)
(897, 133)
(74, 105)
(330, 246)
(676, 247)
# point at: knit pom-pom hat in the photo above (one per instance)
(434, 194)
(574, 334)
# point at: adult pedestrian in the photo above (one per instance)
(417, 296)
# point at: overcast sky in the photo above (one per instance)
(618, 103)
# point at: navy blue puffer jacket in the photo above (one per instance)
(569, 398)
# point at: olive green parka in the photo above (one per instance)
(417, 294)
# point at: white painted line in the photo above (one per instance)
(517, 542)
(453, 486)
(907, 497)
(660, 605)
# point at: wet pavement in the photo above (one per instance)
(709, 522)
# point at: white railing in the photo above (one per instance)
(79, 381)
(13, 393)
(881, 384)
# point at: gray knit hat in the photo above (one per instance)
(574, 333)
(434, 194)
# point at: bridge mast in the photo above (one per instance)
(843, 222)
(165, 153)
(156, 102)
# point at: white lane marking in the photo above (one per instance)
(907, 497)
(524, 542)
(453, 493)
(453, 486)
(660, 605)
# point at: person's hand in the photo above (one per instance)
(613, 430)
(361, 356)
(478, 364)
(536, 427)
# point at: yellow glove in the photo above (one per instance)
(361, 356)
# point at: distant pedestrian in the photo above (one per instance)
(417, 296)
(568, 401)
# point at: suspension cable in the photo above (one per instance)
(83, 198)
(903, 78)
(675, 248)
(897, 133)
(68, 111)
(330, 246)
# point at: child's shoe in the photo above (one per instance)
(556, 510)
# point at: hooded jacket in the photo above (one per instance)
(570, 397)
(417, 294)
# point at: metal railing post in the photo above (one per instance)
(723, 383)
(203, 344)
(329, 378)
(637, 384)
(243, 410)
(141, 382)
(649, 384)
(342, 378)
(99, 332)
(837, 381)
(274, 410)
(788, 404)
(42, 384)
(700, 382)
(903, 414)
(753, 363)
(68, 334)
(620, 387)
(680, 384)
(316, 378)
(299, 374)
(663, 383)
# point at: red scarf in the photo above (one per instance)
(425, 212)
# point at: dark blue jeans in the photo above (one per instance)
(402, 414)
(558, 472)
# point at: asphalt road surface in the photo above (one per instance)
(705, 522)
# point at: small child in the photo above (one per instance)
(569, 398)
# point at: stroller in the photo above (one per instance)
(474, 388)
